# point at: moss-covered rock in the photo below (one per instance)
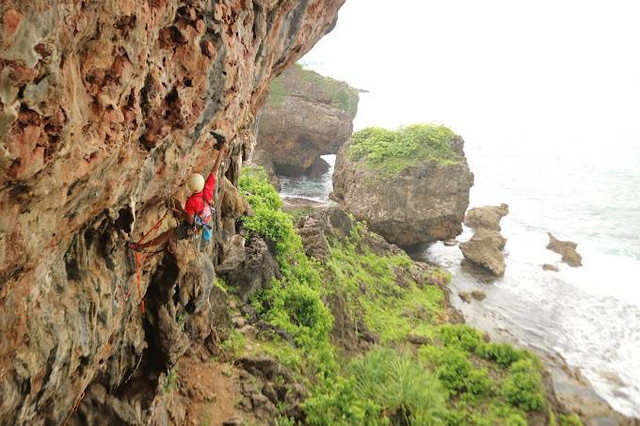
(411, 185)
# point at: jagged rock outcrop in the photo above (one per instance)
(105, 108)
(421, 204)
(250, 270)
(485, 247)
(487, 217)
(567, 249)
(306, 115)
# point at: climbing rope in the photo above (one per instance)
(140, 258)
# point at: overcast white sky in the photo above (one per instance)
(549, 71)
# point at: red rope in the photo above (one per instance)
(139, 261)
(138, 267)
(153, 228)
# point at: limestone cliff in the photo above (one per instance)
(105, 108)
(306, 115)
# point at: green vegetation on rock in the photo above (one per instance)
(454, 377)
(312, 86)
(391, 152)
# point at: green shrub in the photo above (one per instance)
(400, 385)
(479, 383)
(502, 353)
(369, 283)
(460, 336)
(255, 186)
(523, 388)
(340, 403)
(570, 420)
(485, 414)
(292, 302)
(234, 344)
(170, 381)
(394, 151)
(455, 371)
(381, 387)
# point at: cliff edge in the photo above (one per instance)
(105, 108)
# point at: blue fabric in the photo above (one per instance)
(206, 234)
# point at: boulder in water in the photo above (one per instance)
(485, 247)
(548, 267)
(567, 249)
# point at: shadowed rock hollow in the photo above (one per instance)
(105, 108)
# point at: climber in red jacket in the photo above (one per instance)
(196, 210)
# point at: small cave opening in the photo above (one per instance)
(159, 293)
(125, 220)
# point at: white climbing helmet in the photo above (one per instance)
(195, 183)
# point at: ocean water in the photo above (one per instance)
(588, 315)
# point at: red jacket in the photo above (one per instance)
(195, 204)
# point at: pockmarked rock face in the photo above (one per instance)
(105, 109)
(409, 200)
(306, 115)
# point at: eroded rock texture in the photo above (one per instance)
(422, 204)
(567, 249)
(306, 115)
(105, 108)
(484, 249)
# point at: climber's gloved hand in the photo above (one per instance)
(220, 140)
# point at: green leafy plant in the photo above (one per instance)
(170, 381)
(460, 336)
(570, 420)
(523, 388)
(234, 344)
(391, 152)
(382, 387)
(501, 353)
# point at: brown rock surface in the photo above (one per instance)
(485, 247)
(567, 249)
(487, 217)
(105, 108)
(306, 115)
(422, 204)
